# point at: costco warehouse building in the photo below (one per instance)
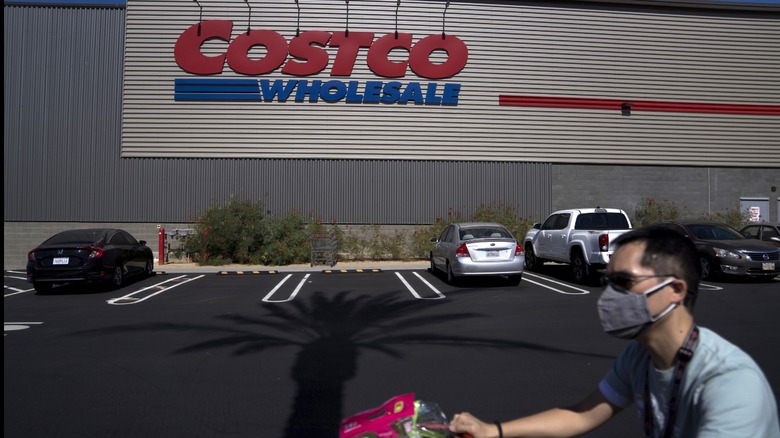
(145, 113)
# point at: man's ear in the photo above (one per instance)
(680, 288)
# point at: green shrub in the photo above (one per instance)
(421, 245)
(735, 217)
(353, 245)
(238, 232)
(390, 246)
(494, 212)
(650, 211)
(370, 243)
(375, 243)
(421, 238)
(233, 233)
(397, 246)
(504, 215)
(288, 240)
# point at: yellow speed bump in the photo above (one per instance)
(246, 272)
(353, 271)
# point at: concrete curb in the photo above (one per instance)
(352, 267)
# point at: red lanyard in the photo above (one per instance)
(683, 357)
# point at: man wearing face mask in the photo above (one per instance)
(686, 380)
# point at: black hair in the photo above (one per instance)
(668, 252)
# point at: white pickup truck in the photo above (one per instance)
(582, 237)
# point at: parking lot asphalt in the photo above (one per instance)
(288, 355)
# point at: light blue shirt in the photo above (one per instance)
(723, 393)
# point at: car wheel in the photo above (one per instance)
(149, 269)
(514, 280)
(451, 278)
(42, 288)
(118, 278)
(579, 268)
(531, 261)
(706, 268)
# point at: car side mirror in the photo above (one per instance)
(434, 240)
(142, 242)
(537, 226)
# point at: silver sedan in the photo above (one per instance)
(477, 248)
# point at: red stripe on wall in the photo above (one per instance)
(638, 105)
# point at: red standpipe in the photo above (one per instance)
(161, 247)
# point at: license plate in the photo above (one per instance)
(491, 254)
(768, 266)
(60, 261)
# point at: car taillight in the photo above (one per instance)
(462, 251)
(95, 253)
(519, 250)
(604, 242)
(31, 256)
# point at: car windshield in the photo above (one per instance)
(483, 233)
(714, 232)
(75, 236)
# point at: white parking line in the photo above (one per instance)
(131, 299)
(268, 299)
(414, 292)
(583, 291)
(15, 326)
(15, 291)
(709, 286)
(579, 291)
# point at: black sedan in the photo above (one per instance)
(724, 251)
(766, 231)
(105, 255)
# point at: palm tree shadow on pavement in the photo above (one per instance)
(331, 331)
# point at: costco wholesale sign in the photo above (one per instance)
(437, 80)
(305, 55)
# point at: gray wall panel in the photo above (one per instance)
(63, 71)
(344, 191)
(62, 150)
(62, 85)
(539, 49)
(696, 191)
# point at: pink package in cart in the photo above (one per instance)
(400, 417)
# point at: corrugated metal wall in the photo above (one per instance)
(541, 49)
(62, 143)
(343, 191)
(63, 72)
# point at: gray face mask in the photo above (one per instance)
(625, 314)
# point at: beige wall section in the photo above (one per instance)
(695, 190)
(21, 237)
(515, 48)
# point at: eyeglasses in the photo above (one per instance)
(625, 281)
